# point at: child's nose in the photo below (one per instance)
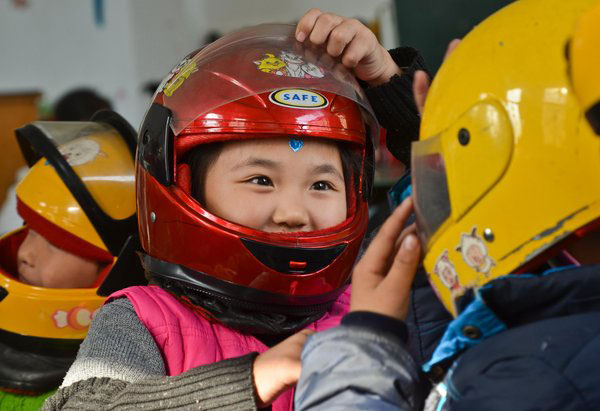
(26, 253)
(291, 216)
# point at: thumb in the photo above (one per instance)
(402, 273)
(420, 89)
(451, 46)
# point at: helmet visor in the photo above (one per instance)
(430, 188)
(99, 156)
(251, 61)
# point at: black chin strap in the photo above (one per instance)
(270, 327)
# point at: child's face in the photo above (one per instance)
(265, 185)
(44, 265)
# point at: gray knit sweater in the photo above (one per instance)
(119, 367)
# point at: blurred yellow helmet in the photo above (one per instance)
(584, 58)
(507, 168)
(80, 196)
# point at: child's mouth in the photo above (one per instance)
(21, 277)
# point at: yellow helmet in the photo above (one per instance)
(507, 168)
(584, 58)
(80, 196)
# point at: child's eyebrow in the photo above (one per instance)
(327, 169)
(263, 162)
(257, 161)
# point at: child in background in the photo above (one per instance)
(253, 172)
(52, 267)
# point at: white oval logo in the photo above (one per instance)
(299, 98)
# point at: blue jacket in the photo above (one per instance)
(526, 342)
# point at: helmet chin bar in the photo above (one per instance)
(245, 297)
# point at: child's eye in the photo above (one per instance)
(261, 181)
(322, 186)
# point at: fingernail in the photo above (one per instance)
(410, 242)
(300, 36)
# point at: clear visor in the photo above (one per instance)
(100, 158)
(63, 132)
(430, 188)
(251, 61)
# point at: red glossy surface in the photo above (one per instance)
(258, 117)
(183, 232)
(192, 237)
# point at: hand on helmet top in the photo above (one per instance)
(351, 41)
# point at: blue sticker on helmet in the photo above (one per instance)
(296, 145)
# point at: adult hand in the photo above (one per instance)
(350, 40)
(383, 277)
(278, 368)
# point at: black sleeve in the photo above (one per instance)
(394, 105)
(377, 323)
(426, 320)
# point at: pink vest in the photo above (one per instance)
(187, 340)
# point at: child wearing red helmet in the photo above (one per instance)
(253, 170)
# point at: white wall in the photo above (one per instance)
(55, 45)
(52, 46)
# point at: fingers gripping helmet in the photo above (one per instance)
(507, 169)
(253, 84)
(79, 196)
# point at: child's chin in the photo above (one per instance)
(24, 279)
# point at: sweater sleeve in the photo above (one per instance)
(120, 367)
(117, 346)
(394, 105)
(224, 385)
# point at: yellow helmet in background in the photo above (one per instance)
(80, 196)
(506, 168)
(584, 59)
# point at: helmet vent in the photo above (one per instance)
(292, 260)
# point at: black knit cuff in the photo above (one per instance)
(394, 103)
(377, 323)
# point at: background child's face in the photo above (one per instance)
(265, 185)
(44, 265)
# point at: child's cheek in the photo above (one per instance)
(50, 274)
(254, 212)
(329, 213)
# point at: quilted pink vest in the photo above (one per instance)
(187, 340)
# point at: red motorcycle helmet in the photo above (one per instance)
(253, 84)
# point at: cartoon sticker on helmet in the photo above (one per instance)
(288, 64)
(445, 270)
(296, 144)
(80, 151)
(271, 64)
(177, 76)
(77, 318)
(475, 253)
